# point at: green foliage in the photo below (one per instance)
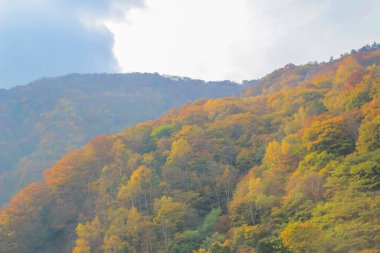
(190, 240)
(163, 131)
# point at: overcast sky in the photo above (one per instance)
(207, 39)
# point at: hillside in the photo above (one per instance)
(45, 119)
(291, 166)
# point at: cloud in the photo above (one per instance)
(240, 39)
(208, 39)
(54, 37)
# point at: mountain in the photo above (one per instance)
(293, 165)
(45, 119)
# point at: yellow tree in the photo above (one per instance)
(89, 237)
(178, 163)
(302, 237)
(169, 217)
(81, 246)
(113, 244)
(140, 232)
(281, 158)
(349, 71)
(138, 191)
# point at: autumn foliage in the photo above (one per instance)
(291, 166)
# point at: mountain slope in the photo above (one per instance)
(292, 168)
(41, 121)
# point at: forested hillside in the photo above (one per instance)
(42, 121)
(291, 166)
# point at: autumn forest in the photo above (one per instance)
(288, 164)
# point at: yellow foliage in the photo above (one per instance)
(302, 237)
(81, 246)
(113, 244)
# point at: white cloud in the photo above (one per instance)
(207, 39)
(177, 36)
(239, 39)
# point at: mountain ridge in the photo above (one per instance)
(41, 121)
(294, 169)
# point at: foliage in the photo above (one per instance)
(281, 169)
(47, 118)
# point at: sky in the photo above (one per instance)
(205, 39)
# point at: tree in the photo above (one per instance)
(349, 71)
(348, 215)
(117, 222)
(26, 213)
(281, 157)
(81, 246)
(138, 191)
(302, 237)
(244, 208)
(223, 178)
(113, 244)
(189, 240)
(177, 168)
(369, 135)
(329, 135)
(280, 160)
(140, 231)
(89, 237)
(169, 216)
